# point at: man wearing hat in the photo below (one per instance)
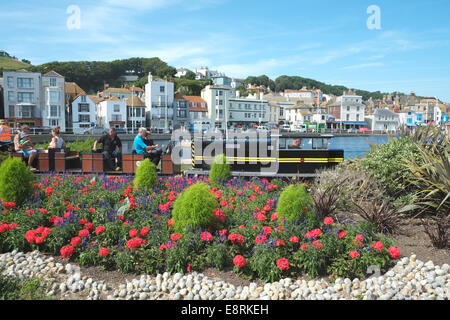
(23, 144)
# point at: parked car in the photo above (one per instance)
(285, 128)
(352, 130)
(262, 128)
(365, 130)
(298, 128)
(95, 130)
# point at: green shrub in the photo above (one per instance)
(146, 176)
(15, 181)
(12, 288)
(194, 207)
(294, 202)
(219, 256)
(220, 170)
(386, 162)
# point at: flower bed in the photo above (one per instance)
(101, 220)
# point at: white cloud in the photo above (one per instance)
(363, 65)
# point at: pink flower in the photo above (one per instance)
(283, 264)
(354, 254)
(394, 252)
(328, 221)
(103, 252)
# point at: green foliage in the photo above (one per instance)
(386, 162)
(294, 202)
(124, 261)
(79, 145)
(220, 170)
(263, 263)
(12, 288)
(4, 156)
(146, 175)
(194, 207)
(218, 256)
(15, 181)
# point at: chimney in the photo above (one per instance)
(150, 77)
(238, 94)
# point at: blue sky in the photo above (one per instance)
(324, 40)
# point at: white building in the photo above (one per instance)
(182, 72)
(248, 110)
(217, 100)
(22, 94)
(112, 113)
(348, 110)
(54, 112)
(298, 114)
(135, 113)
(83, 113)
(383, 120)
(159, 97)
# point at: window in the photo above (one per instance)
(357, 117)
(52, 82)
(117, 108)
(53, 96)
(54, 111)
(25, 97)
(181, 114)
(25, 83)
(83, 98)
(348, 108)
(348, 117)
(84, 118)
(10, 96)
(220, 102)
(220, 93)
(54, 123)
(11, 111)
(161, 89)
(25, 112)
(116, 117)
(357, 108)
(10, 82)
(83, 107)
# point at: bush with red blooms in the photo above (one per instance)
(283, 264)
(239, 261)
(67, 251)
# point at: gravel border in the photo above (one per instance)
(409, 279)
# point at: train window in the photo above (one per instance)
(282, 143)
(320, 143)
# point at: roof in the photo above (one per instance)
(384, 112)
(134, 101)
(118, 90)
(73, 89)
(96, 99)
(53, 73)
(197, 99)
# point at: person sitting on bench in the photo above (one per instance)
(57, 142)
(144, 145)
(110, 143)
(23, 144)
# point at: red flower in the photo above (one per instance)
(83, 233)
(304, 246)
(357, 242)
(170, 223)
(206, 236)
(354, 254)
(4, 227)
(75, 241)
(91, 209)
(223, 232)
(30, 235)
(267, 230)
(40, 239)
(43, 210)
(328, 221)
(274, 216)
(342, 234)
(261, 239)
(82, 221)
(280, 243)
(133, 233)
(283, 264)
(103, 252)
(317, 244)
(144, 231)
(175, 236)
(135, 243)
(293, 239)
(66, 251)
(378, 245)
(49, 191)
(359, 237)
(394, 252)
(100, 229)
(89, 226)
(241, 226)
(236, 238)
(239, 261)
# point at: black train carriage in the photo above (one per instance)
(285, 155)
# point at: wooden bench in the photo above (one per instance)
(130, 162)
(66, 160)
(92, 163)
(168, 167)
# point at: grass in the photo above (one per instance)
(11, 64)
(12, 288)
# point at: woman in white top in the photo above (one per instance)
(57, 142)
